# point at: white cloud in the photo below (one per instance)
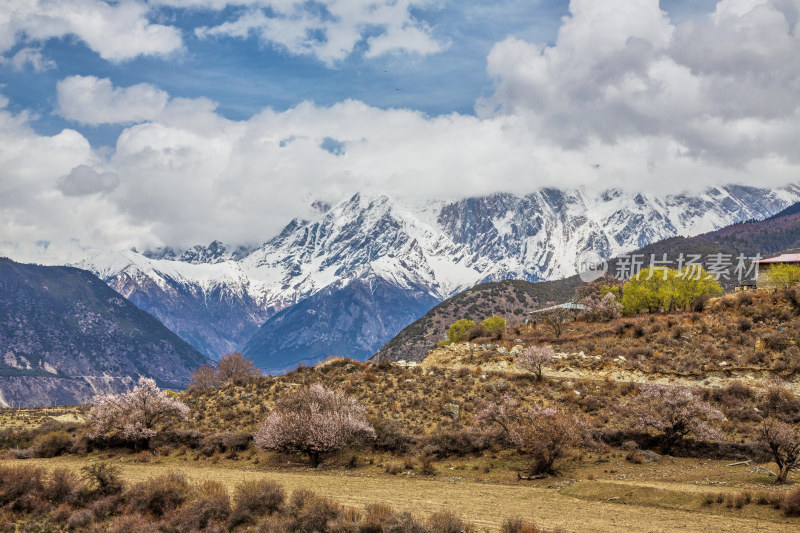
(726, 87)
(83, 180)
(91, 100)
(29, 56)
(117, 31)
(332, 29)
(624, 93)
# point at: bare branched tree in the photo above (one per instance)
(234, 368)
(784, 444)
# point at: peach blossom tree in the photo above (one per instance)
(534, 358)
(673, 411)
(134, 416)
(545, 434)
(314, 421)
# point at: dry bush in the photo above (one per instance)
(311, 512)
(17, 482)
(211, 505)
(791, 503)
(448, 522)
(158, 495)
(80, 520)
(103, 478)
(519, 525)
(61, 486)
(254, 499)
(53, 443)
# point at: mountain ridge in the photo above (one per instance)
(65, 336)
(432, 249)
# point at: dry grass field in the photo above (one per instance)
(590, 497)
(32, 418)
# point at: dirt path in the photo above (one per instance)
(484, 504)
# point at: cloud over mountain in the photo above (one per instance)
(622, 97)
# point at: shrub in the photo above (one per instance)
(80, 519)
(477, 331)
(17, 482)
(376, 517)
(158, 495)
(426, 468)
(518, 525)
(390, 436)
(791, 503)
(457, 331)
(311, 512)
(53, 443)
(212, 504)
(104, 478)
(448, 522)
(61, 485)
(254, 499)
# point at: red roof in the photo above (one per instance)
(783, 258)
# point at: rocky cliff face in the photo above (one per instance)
(65, 336)
(217, 299)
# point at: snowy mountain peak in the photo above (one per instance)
(432, 249)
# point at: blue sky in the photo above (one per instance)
(246, 75)
(147, 123)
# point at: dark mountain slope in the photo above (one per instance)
(65, 335)
(351, 321)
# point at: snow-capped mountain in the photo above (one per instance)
(216, 298)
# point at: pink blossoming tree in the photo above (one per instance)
(673, 411)
(314, 421)
(534, 359)
(544, 434)
(135, 415)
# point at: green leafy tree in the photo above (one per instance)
(784, 274)
(494, 323)
(667, 290)
(457, 332)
